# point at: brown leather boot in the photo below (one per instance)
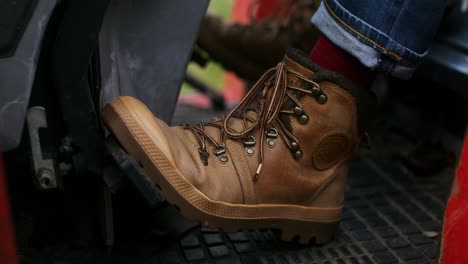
(250, 50)
(277, 160)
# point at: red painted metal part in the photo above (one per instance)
(454, 248)
(242, 12)
(275, 8)
(7, 241)
(233, 86)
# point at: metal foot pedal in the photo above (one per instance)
(166, 219)
(135, 173)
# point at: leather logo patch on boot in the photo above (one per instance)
(330, 150)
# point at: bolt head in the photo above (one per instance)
(223, 158)
(271, 143)
(249, 151)
(46, 178)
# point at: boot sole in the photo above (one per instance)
(296, 223)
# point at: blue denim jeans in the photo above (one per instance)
(391, 36)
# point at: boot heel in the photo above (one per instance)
(309, 232)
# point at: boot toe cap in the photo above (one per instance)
(138, 118)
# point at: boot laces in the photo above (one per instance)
(266, 98)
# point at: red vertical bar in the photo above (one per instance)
(454, 248)
(7, 241)
(234, 86)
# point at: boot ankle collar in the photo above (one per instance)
(365, 99)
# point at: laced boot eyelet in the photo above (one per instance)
(220, 152)
(249, 144)
(295, 150)
(303, 119)
(295, 146)
(322, 99)
(204, 155)
(297, 154)
(298, 111)
(300, 115)
(319, 95)
(316, 91)
(271, 135)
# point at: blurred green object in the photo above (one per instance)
(221, 8)
(213, 73)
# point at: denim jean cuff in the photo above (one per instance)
(370, 46)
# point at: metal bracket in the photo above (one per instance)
(44, 169)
